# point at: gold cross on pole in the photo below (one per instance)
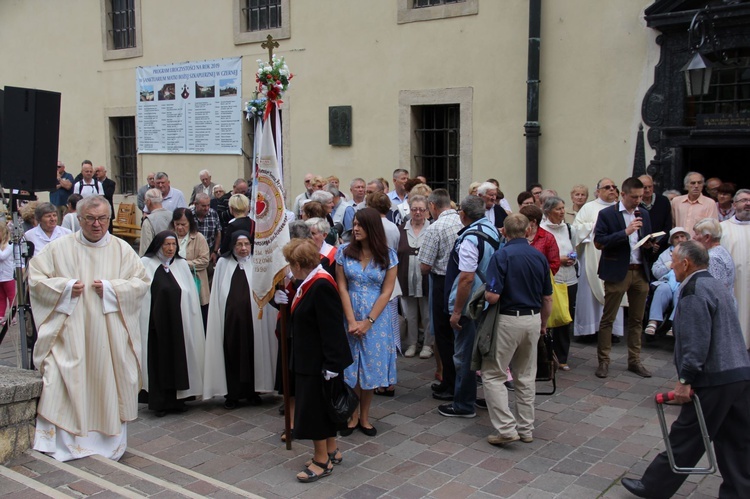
(270, 44)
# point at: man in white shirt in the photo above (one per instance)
(47, 229)
(398, 194)
(171, 198)
(88, 185)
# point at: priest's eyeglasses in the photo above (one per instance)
(90, 220)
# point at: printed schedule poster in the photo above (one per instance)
(190, 108)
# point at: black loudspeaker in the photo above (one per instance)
(29, 139)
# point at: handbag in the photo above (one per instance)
(560, 315)
(546, 362)
(340, 399)
(197, 281)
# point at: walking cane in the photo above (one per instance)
(663, 398)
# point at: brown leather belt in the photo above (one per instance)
(635, 266)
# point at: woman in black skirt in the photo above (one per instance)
(320, 351)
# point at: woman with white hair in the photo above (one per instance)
(720, 263)
(319, 230)
(325, 198)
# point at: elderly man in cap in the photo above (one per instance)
(665, 293)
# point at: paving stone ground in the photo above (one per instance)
(588, 435)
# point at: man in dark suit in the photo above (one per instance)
(624, 269)
(660, 212)
(108, 186)
(494, 212)
(205, 187)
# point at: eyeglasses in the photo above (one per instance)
(418, 210)
(90, 220)
(607, 187)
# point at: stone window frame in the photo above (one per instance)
(110, 148)
(408, 14)
(110, 53)
(464, 97)
(242, 36)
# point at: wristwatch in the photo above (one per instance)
(682, 381)
(372, 321)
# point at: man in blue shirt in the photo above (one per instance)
(63, 189)
(519, 278)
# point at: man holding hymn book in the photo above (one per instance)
(623, 233)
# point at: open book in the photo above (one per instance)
(648, 237)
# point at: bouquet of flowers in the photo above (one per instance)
(273, 79)
(255, 107)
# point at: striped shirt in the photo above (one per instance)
(438, 241)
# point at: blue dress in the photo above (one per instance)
(374, 354)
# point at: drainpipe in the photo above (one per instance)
(532, 93)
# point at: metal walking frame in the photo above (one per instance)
(663, 398)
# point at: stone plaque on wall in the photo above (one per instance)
(340, 125)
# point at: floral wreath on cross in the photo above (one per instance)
(273, 80)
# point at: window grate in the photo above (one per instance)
(729, 92)
(122, 19)
(438, 155)
(126, 154)
(262, 14)
(418, 4)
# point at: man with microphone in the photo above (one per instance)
(624, 269)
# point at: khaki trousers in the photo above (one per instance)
(516, 343)
(636, 286)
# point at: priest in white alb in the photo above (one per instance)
(86, 292)
(590, 297)
(735, 237)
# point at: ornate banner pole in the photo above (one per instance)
(273, 90)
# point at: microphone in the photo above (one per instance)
(637, 214)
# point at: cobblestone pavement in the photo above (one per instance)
(588, 435)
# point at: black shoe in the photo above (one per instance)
(448, 410)
(586, 338)
(615, 339)
(348, 430)
(442, 396)
(635, 487)
(438, 387)
(480, 404)
(510, 386)
(161, 414)
(255, 399)
(230, 404)
(370, 432)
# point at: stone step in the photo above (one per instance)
(34, 474)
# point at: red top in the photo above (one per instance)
(546, 243)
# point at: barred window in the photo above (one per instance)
(729, 93)
(125, 154)
(437, 136)
(429, 3)
(123, 25)
(121, 29)
(262, 14)
(254, 20)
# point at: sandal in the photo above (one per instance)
(650, 328)
(311, 476)
(564, 367)
(385, 392)
(331, 457)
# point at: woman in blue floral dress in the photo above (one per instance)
(366, 273)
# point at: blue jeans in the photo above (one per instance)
(465, 393)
